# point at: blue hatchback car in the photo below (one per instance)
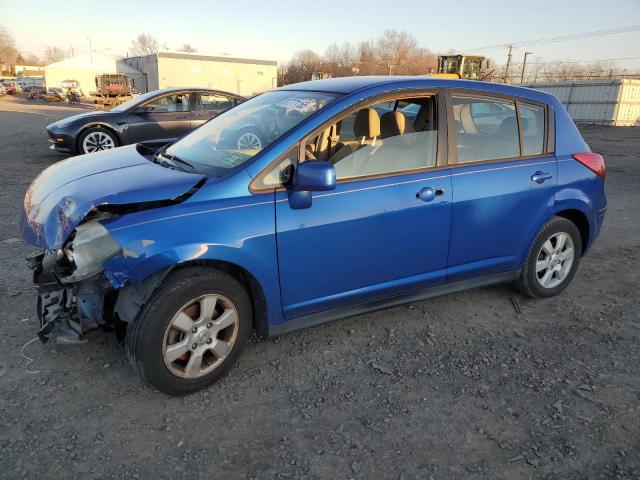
(366, 192)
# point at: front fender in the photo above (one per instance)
(243, 235)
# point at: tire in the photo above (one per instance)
(551, 261)
(96, 139)
(248, 138)
(150, 339)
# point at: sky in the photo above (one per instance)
(277, 29)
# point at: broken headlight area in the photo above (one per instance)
(71, 294)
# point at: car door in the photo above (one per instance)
(209, 105)
(163, 118)
(504, 177)
(383, 231)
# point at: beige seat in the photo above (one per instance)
(366, 129)
(392, 124)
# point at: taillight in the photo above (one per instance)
(593, 161)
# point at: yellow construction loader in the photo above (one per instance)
(470, 67)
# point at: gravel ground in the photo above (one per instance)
(456, 387)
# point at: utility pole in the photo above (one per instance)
(506, 70)
(524, 64)
(90, 52)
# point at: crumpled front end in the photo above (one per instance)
(62, 215)
(71, 288)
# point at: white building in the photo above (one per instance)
(243, 76)
(83, 68)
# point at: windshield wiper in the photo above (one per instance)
(174, 160)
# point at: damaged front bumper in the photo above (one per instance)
(67, 311)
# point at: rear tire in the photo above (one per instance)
(191, 331)
(552, 260)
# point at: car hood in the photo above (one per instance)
(62, 195)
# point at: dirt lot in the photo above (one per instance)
(457, 387)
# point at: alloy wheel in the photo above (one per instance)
(249, 141)
(96, 141)
(554, 260)
(200, 336)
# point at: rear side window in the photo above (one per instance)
(214, 102)
(486, 129)
(531, 120)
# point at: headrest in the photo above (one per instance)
(392, 124)
(466, 119)
(508, 127)
(367, 123)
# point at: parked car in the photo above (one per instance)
(160, 116)
(10, 87)
(3, 91)
(187, 249)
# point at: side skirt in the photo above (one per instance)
(361, 308)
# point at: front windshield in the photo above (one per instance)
(241, 133)
(133, 102)
(450, 65)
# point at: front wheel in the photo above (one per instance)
(191, 331)
(96, 139)
(249, 139)
(552, 260)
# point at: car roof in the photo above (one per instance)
(193, 89)
(349, 85)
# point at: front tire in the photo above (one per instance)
(191, 331)
(249, 139)
(552, 260)
(96, 139)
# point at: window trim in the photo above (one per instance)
(548, 135)
(265, 171)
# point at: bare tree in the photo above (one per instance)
(8, 52)
(55, 54)
(302, 66)
(144, 44)
(366, 59)
(188, 48)
(394, 51)
(28, 59)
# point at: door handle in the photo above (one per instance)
(429, 193)
(541, 177)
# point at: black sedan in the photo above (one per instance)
(159, 116)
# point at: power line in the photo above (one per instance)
(561, 38)
(580, 61)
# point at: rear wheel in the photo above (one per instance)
(96, 139)
(553, 259)
(191, 331)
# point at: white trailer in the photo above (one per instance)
(602, 101)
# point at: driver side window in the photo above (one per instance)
(384, 138)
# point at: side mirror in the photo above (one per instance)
(313, 176)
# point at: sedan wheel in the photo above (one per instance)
(555, 259)
(249, 141)
(200, 336)
(96, 140)
(552, 260)
(191, 331)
